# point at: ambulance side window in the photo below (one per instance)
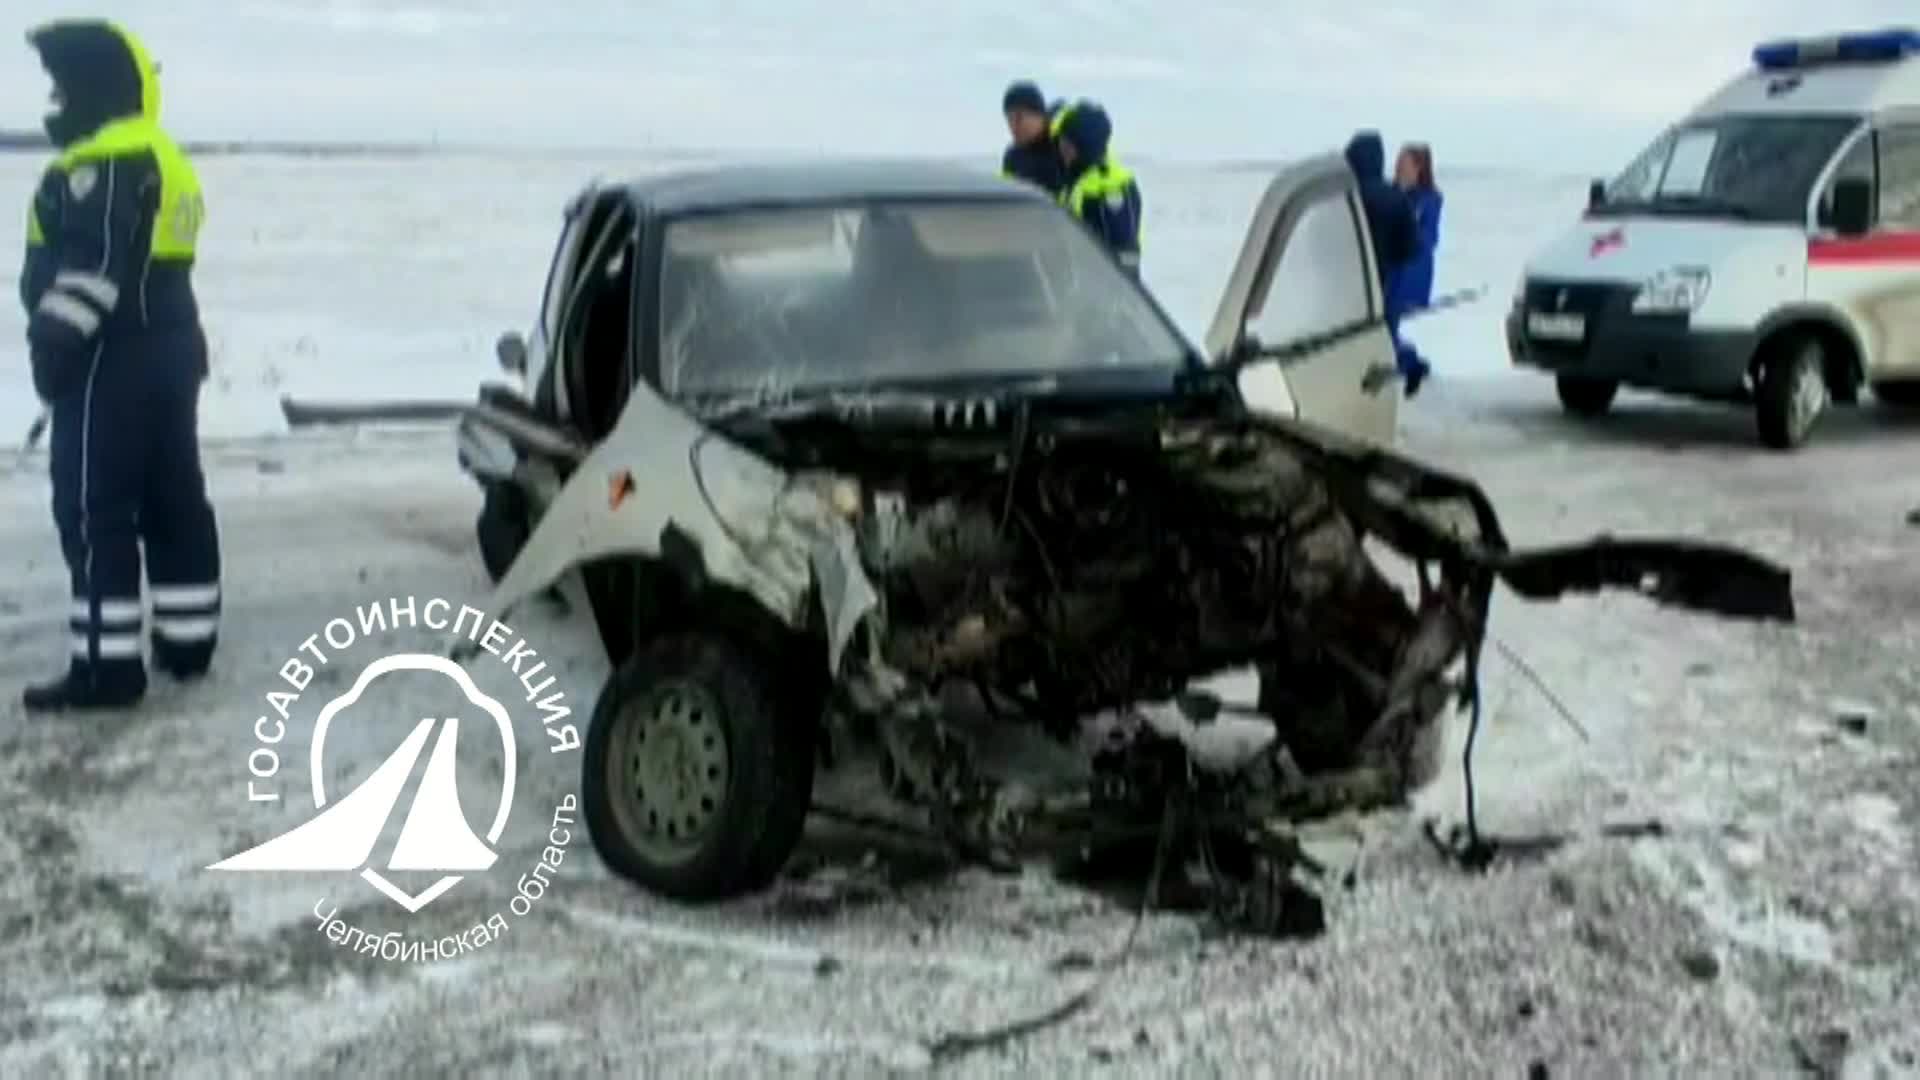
(1859, 163)
(1900, 177)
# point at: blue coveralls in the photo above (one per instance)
(119, 356)
(1410, 288)
(1396, 238)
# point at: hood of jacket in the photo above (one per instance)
(1087, 126)
(1367, 155)
(102, 72)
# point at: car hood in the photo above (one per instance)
(1631, 249)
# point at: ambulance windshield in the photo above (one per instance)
(1741, 167)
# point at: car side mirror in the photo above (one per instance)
(1852, 206)
(512, 351)
(1596, 194)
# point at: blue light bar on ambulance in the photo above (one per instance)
(1875, 46)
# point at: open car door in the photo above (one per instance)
(1306, 269)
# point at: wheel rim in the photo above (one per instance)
(1809, 397)
(669, 770)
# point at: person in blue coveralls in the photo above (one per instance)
(1390, 220)
(118, 356)
(1032, 155)
(1411, 287)
(1101, 192)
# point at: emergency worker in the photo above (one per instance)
(1032, 155)
(1100, 191)
(1390, 224)
(118, 356)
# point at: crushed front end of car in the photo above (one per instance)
(1071, 572)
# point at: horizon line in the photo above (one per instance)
(21, 141)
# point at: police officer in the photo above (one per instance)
(118, 356)
(1032, 155)
(1100, 191)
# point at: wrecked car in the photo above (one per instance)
(863, 465)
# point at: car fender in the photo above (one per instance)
(661, 482)
(1827, 316)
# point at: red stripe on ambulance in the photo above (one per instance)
(1887, 247)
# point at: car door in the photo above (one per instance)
(1890, 258)
(553, 296)
(502, 436)
(1306, 272)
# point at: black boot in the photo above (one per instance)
(81, 689)
(185, 662)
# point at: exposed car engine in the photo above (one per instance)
(1064, 568)
(1108, 572)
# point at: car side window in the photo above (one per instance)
(1321, 280)
(1899, 193)
(1858, 163)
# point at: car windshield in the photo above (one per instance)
(1751, 168)
(776, 303)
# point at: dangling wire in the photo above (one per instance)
(1474, 697)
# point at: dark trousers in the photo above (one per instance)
(126, 470)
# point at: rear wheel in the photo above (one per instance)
(1791, 392)
(1586, 397)
(1903, 393)
(697, 774)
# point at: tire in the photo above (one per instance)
(502, 528)
(745, 764)
(1791, 392)
(1585, 397)
(1903, 393)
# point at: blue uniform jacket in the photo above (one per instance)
(1412, 285)
(1390, 219)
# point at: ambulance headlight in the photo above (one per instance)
(1680, 289)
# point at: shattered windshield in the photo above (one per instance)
(1749, 168)
(772, 303)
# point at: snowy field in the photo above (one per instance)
(1767, 925)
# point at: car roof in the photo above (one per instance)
(1839, 89)
(818, 180)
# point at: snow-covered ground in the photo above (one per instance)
(1769, 923)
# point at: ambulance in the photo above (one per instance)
(1763, 251)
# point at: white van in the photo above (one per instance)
(1765, 249)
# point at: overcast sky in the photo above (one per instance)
(1561, 85)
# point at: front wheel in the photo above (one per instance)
(1791, 393)
(1585, 397)
(697, 774)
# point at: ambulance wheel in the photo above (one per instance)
(698, 770)
(1791, 392)
(502, 528)
(1585, 397)
(1903, 393)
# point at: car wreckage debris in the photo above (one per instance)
(1094, 568)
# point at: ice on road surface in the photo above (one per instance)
(1739, 891)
